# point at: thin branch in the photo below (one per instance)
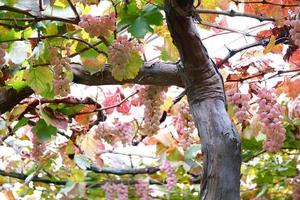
(265, 2)
(232, 52)
(90, 46)
(74, 10)
(226, 28)
(233, 13)
(34, 179)
(254, 156)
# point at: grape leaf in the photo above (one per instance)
(44, 131)
(140, 27)
(139, 24)
(40, 79)
(131, 70)
(22, 122)
(17, 81)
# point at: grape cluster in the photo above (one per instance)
(270, 116)
(111, 189)
(3, 46)
(122, 191)
(59, 65)
(184, 124)
(120, 51)
(37, 148)
(240, 104)
(295, 108)
(98, 26)
(295, 31)
(153, 99)
(142, 190)
(122, 132)
(170, 173)
(296, 188)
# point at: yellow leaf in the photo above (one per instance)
(208, 4)
(167, 104)
(89, 145)
(94, 65)
(270, 45)
(163, 32)
(16, 112)
(165, 138)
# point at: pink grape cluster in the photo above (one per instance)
(295, 108)
(111, 189)
(98, 26)
(37, 147)
(170, 173)
(270, 116)
(295, 31)
(3, 46)
(296, 188)
(153, 99)
(142, 190)
(122, 191)
(240, 104)
(120, 51)
(184, 124)
(59, 64)
(120, 131)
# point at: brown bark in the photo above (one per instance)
(158, 73)
(219, 138)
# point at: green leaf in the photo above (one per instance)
(40, 79)
(131, 70)
(139, 28)
(22, 122)
(43, 131)
(296, 122)
(66, 109)
(17, 82)
(152, 15)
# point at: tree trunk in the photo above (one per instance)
(219, 138)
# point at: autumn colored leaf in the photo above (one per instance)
(94, 64)
(294, 59)
(290, 87)
(16, 112)
(113, 100)
(84, 119)
(270, 45)
(222, 23)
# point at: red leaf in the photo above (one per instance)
(124, 107)
(223, 23)
(115, 99)
(290, 87)
(294, 59)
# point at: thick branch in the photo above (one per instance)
(10, 97)
(159, 73)
(131, 171)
